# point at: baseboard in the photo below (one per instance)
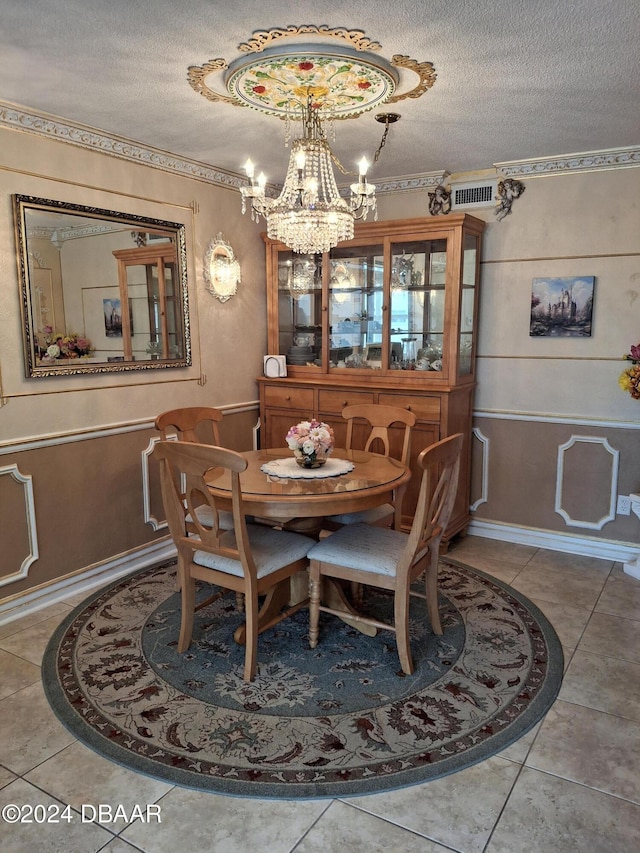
(100, 575)
(585, 546)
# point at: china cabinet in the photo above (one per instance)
(389, 317)
(148, 280)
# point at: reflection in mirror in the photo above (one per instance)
(100, 291)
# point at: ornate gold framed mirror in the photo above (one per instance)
(100, 290)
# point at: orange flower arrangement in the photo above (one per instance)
(629, 379)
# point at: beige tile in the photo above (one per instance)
(118, 845)
(590, 747)
(31, 642)
(568, 622)
(69, 834)
(573, 585)
(614, 636)
(519, 750)
(33, 618)
(16, 673)
(30, 733)
(76, 775)
(604, 684)
(462, 808)
(343, 827)
(571, 562)
(469, 546)
(548, 814)
(620, 596)
(200, 822)
(501, 569)
(6, 776)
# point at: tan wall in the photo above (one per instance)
(78, 438)
(543, 392)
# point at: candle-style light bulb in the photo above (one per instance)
(300, 159)
(248, 167)
(262, 180)
(364, 165)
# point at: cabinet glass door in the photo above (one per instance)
(418, 277)
(300, 308)
(468, 304)
(355, 306)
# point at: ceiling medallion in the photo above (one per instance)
(345, 78)
(309, 80)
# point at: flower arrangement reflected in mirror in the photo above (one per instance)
(58, 346)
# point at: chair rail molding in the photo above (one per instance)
(615, 458)
(30, 518)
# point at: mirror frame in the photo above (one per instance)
(22, 204)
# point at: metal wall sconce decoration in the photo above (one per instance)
(221, 269)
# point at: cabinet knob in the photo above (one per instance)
(408, 408)
(287, 398)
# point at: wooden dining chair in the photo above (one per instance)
(380, 419)
(391, 559)
(191, 423)
(250, 559)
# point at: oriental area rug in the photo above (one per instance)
(338, 720)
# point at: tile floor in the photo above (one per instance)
(571, 784)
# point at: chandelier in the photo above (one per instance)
(310, 216)
(305, 71)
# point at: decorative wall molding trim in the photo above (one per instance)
(63, 130)
(484, 441)
(613, 483)
(587, 161)
(30, 518)
(585, 546)
(72, 133)
(88, 579)
(146, 489)
(103, 432)
(534, 417)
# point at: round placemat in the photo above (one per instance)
(290, 470)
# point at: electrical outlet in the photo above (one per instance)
(624, 505)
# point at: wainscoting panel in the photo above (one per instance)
(555, 475)
(19, 537)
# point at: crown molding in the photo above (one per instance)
(587, 161)
(62, 130)
(82, 136)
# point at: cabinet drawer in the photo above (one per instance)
(279, 397)
(335, 401)
(424, 408)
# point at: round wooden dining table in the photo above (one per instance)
(371, 482)
(299, 501)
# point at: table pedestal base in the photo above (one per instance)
(287, 597)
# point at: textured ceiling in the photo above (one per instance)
(517, 79)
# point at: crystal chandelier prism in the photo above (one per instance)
(310, 216)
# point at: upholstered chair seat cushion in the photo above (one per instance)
(271, 550)
(361, 546)
(367, 516)
(204, 515)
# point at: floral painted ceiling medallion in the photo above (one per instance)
(343, 79)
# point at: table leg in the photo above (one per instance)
(271, 612)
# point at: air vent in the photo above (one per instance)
(474, 195)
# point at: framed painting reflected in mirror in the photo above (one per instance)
(100, 290)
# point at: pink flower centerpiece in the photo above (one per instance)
(311, 442)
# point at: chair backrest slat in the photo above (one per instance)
(191, 423)
(440, 464)
(380, 418)
(189, 463)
